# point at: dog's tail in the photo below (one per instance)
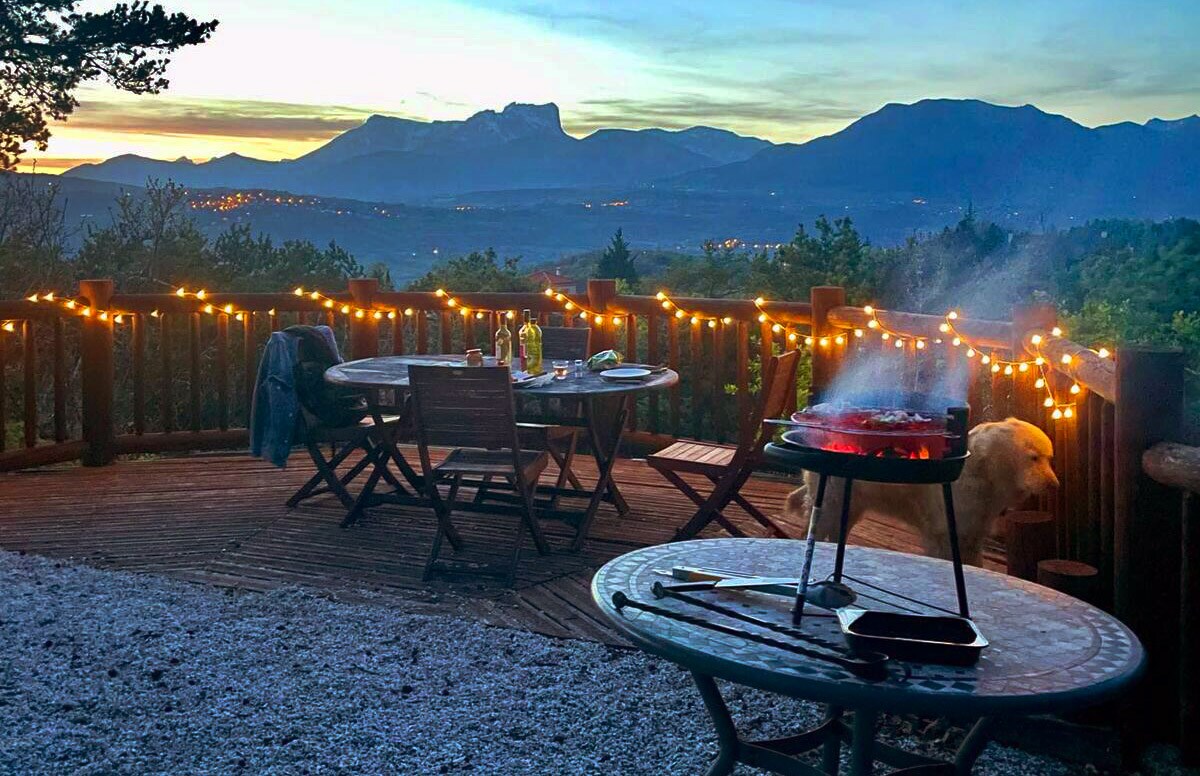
(794, 507)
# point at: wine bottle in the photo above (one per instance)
(504, 349)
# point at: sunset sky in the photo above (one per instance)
(280, 77)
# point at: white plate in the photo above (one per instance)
(625, 373)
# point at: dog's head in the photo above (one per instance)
(1015, 456)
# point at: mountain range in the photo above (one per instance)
(1009, 159)
(397, 160)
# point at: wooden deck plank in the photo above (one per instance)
(220, 519)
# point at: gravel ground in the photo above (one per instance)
(107, 672)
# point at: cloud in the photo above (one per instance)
(685, 111)
(220, 118)
(53, 163)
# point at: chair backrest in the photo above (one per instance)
(463, 406)
(779, 384)
(565, 342)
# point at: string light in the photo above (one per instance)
(596, 316)
(67, 303)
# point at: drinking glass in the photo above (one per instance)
(560, 369)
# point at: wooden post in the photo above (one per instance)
(1189, 632)
(1069, 576)
(364, 332)
(1146, 530)
(96, 376)
(824, 360)
(1029, 539)
(600, 293)
(1028, 318)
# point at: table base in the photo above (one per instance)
(779, 755)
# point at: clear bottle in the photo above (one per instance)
(504, 348)
(522, 333)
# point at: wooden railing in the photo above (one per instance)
(172, 377)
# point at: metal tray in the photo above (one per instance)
(918, 638)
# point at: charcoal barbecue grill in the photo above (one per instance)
(929, 451)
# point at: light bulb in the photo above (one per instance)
(1039, 383)
(549, 292)
(824, 342)
(839, 340)
(920, 344)
(1057, 414)
(944, 328)
(956, 342)
(807, 340)
(408, 311)
(777, 328)
(666, 305)
(1048, 402)
(762, 317)
(899, 343)
(952, 315)
(1066, 359)
(1056, 331)
(758, 300)
(660, 295)
(1024, 366)
(872, 324)
(858, 332)
(1103, 353)
(986, 359)
(1068, 412)
(712, 324)
(1008, 370)
(868, 309)
(1036, 339)
(1075, 388)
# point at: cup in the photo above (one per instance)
(561, 369)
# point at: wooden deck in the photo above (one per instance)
(221, 519)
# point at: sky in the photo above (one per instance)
(280, 77)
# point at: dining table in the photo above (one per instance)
(602, 410)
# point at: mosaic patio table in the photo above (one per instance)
(1048, 652)
(603, 417)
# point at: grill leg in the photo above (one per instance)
(960, 583)
(843, 531)
(810, 545)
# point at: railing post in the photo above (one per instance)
(1027, 318)
(1146, 530)
(364, 332)
(96, 376)
(824, 359)
(600, 293)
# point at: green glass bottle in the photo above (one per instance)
(530, 336)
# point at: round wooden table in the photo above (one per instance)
(1048, 652)
(603, 417)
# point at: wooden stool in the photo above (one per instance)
(1029, 539)
(1071, 577)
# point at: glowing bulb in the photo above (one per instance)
(995, 368)
(726, 320)
(1008, 370)
(599, 319)
(376, 315)
(1036, 339)
(899, 343)
(1068, 412)
(986, 359)
(956, 341)
(104, 316)
(679, 313)
(872, 324)
(154, 313)
(48, 297)
(762, 317)
(944, 328)
(1039, 383)
(479, 316)
(970, 352)
(298, 292)
(359, 313)
(617, 321)
(408, 311)
(228, 308)
(1049, 402)
(868, 309)
(1057, 414)
(1103, 353)
(200, 294)
(858, 332)
(329, 303)
(758, 300)
(439, 292)
(583, 315)
(509, 315)
(271, 312)
(345, 309)
(695, 320)
(660, 296)
(549, 292)
(180, 291)
(32, 298)
(239, 317)
(391, 315)
(1023, 367)
(466, 312)
(952, 315)
(118, 318)
(886, 336)
(824, 342)
(808, 341)
(1056, 331)
(776, 328)
(208, 308)
(1075, 388)
(920, 344)
(452, 302)
(1066, 359)
(712, 324)
(558, 297)
(839, 340)
(1039, 361)
(8, 326)
(569, 306)
(87, 311)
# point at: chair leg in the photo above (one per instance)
(442, 511)
(529, 517)
(569, 459)
(709, 511)
(481, 492)
(326, 471)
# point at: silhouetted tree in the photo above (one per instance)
(617, 261)
(47, 49)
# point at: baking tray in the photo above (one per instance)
(917, 638)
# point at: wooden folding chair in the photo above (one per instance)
(729, 467)
(471, 409)
(559, 343)
(343, 441)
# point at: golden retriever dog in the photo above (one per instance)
(1010, 461)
